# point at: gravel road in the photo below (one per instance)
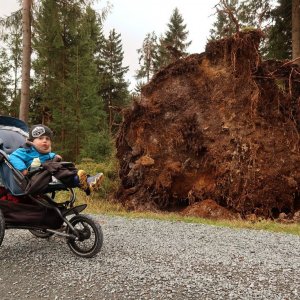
(147, 259)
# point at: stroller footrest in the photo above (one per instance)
(74, 210)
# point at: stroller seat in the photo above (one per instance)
(27, 209)
(13, 134)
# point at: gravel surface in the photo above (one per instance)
(147, 259)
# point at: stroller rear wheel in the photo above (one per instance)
(90, 237)
(2, 227)
(40, 233)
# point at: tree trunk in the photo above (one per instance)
(24, 104)
(296, 29)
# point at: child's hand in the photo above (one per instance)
(57, 158)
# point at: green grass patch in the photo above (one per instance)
(102, 206)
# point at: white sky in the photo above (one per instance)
(133, 19)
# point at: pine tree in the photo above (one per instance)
(114, 88)
(173, 45)
(147, 57)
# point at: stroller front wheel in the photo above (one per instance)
(89, 236)
(2, 227)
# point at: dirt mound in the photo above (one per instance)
(220, 125)
(208, 209)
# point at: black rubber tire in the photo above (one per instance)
(2, 227)
(87, 228)
(40, 233)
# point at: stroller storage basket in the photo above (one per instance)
(21, 214)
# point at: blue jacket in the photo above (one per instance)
(22, 158)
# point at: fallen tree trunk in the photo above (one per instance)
(220, 125)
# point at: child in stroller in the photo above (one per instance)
(37, 150)
(37, 209)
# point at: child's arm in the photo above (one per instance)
(17, 161)
(55, 157)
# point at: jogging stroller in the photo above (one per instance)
(39, 212)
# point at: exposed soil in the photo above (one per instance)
(221, 125)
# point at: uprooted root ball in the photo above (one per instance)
(220, 125)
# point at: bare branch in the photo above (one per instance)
(227, 9)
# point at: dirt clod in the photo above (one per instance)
(208, 209)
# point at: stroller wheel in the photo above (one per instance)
(40, 233)
(90, 236)
(2, 227)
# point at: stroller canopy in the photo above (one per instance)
(13, 133)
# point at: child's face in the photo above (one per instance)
(42, 142)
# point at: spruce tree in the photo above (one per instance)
(114, 88)
(66, 87)
(50, 67)
(280, 33)
(95, 140)
(173, 44)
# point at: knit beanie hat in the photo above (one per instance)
(39, 130)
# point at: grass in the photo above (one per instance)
(99, 204)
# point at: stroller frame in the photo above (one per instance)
(83, 235)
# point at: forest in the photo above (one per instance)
(77, 87)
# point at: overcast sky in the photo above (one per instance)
(133, 19)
